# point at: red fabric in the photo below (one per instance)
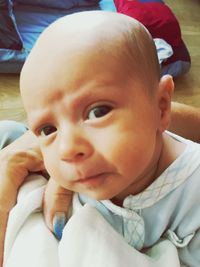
(156, 17)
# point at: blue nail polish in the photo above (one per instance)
(59, 222)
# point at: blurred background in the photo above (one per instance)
(187, 87)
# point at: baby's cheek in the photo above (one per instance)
(132, 157)
(51, 165)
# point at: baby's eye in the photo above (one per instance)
(99, 112)
(47, 130)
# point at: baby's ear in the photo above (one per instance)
(165, 91)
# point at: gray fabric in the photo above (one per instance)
(9, 131)
(9, 35)
(61, 4)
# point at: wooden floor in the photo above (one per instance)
(187, 87)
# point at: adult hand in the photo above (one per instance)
(18, 159)
(56, 207)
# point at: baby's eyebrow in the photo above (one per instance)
(37, 118)
(85, 96)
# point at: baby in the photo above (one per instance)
(93, 95)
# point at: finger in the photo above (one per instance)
(17, 164)
(56, 205)
(3, 223)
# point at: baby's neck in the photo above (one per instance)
(171, 150)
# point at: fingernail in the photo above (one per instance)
(59, 221)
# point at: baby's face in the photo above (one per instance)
(97, 127)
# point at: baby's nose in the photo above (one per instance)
(74, 146)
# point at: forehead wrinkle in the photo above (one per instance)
(54, 95)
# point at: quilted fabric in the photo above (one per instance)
(61, 4)
(9, 35)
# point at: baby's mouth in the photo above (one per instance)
(92, 180)
(85, 178)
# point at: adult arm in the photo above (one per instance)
(185, 121)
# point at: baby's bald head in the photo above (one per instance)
(112, 35)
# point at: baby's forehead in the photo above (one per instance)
(82, 29)
(73, 35)
(85, 35)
